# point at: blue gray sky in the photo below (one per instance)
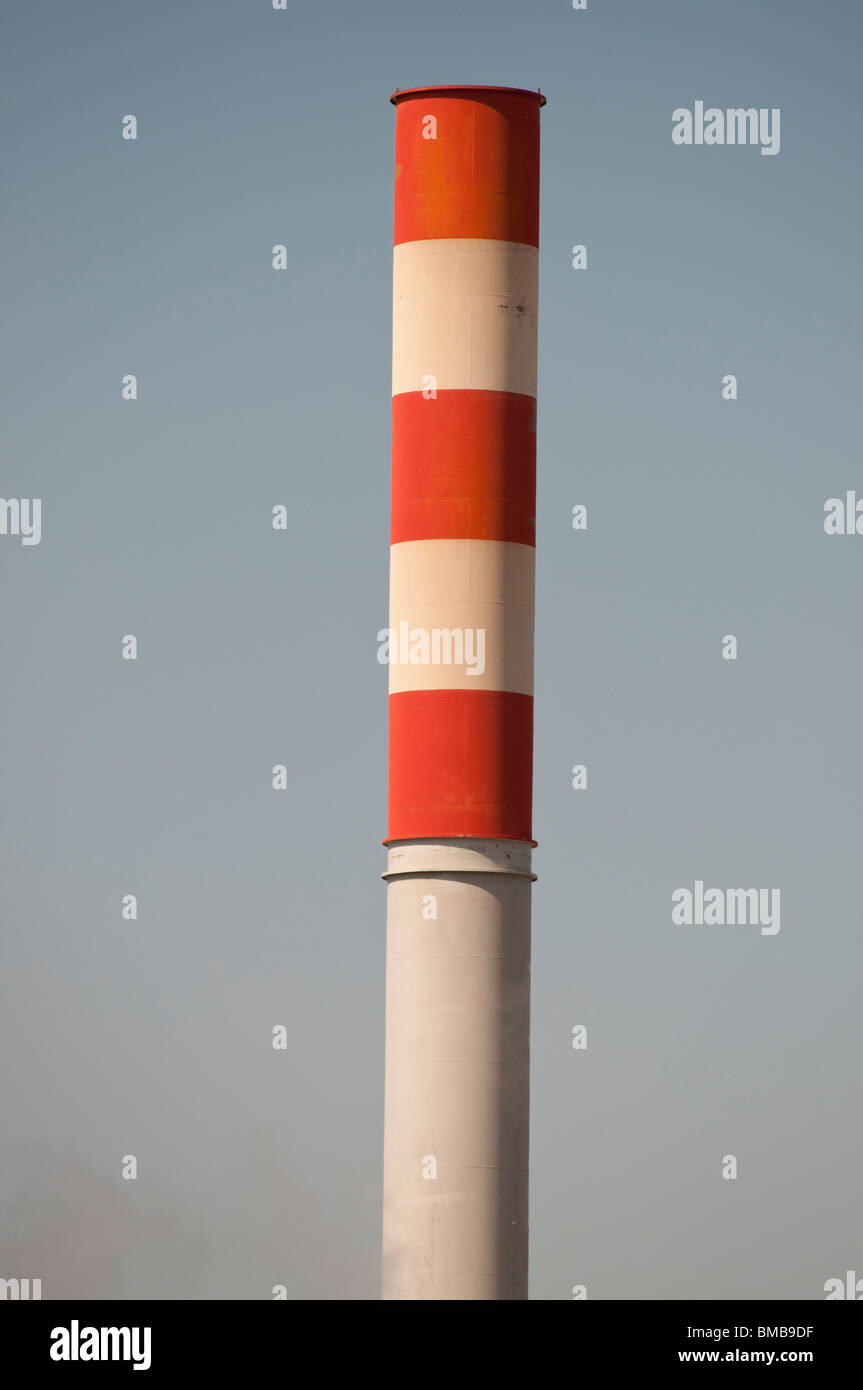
(705, 518)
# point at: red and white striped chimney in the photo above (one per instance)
(461, 693)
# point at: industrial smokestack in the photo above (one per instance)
(461, 693)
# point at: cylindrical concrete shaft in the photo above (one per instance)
(461, 693)
(457, 1085)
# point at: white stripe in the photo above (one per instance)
(464, 314)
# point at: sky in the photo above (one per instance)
(256, 908)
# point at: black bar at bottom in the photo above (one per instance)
(217, 1339)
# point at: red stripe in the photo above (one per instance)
(478, 178)
(464, 467)
(461, 764)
